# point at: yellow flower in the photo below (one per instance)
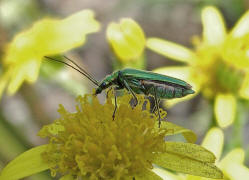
(127, 39)
(47, 37)
(231, 165)
(89, 144)
(218, 66)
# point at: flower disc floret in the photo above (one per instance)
(89, 143)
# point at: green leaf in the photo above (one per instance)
(190, 150)
(148, 175)
(173, 129)
(188, 165)
(26, 164)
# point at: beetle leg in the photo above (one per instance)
(126, 85)
(115, 104)
(157, 106)
(129, 89)
(154, 108)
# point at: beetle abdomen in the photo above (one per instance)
(165, 91)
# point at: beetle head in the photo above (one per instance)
(107, 82)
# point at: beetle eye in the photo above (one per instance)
(104, 84)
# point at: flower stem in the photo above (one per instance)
(213, 122)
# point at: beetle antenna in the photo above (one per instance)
(79, 69)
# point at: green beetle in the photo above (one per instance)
(138, 82)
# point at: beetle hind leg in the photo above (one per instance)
(157, 106)
(132, 93)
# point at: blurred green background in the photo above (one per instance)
(34, 105)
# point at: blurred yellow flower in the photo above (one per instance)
(47, 37)
(218, 67)
(231, 165)
(89, 144)
(127, 39)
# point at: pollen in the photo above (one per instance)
(90, 144)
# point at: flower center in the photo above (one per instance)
(221, 77)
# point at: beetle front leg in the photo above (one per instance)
(108, 91)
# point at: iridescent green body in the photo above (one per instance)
(148, 83)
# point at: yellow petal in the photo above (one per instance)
(171, 50)
(236, 171)
(242, 27)
(52, 36)
(225, 109)
(232, 165)
(244, 90)
(171, 102)
(235, 156)
(57, 36)
(28, 70)
(184, 73)
(165, 174)
(127, 39)
(32, 70)
(17, 78)
(26, 164)
(214, 141)
(214, 31)
(134, 33)
(48, 36)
